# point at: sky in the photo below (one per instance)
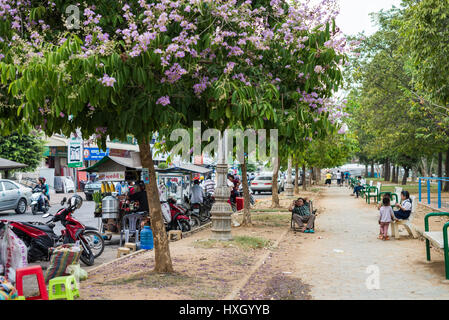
(354, 14)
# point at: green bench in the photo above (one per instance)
(437, 238)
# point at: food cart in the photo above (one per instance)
(110, 207)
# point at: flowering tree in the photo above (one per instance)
(146, 66)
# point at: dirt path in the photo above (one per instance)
(345, 251)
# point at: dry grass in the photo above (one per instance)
(242, 242)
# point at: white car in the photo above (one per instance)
(14, 196)
(263, 183)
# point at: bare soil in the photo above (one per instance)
(204, 269)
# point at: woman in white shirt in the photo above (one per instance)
(405, 208)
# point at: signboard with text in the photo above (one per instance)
(111, 176)
(75, 153)
(95, 154)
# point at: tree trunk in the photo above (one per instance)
(372, 170)
(405, 177)
(318, 176)
(304, 182)
(366, 171)
(387, 171)
(396, 180)
(440, 164)
(393, 173)
(163, 263)
(275, 195)
(247, 205)
(446, 164)
(297, 179)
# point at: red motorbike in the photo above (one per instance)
(179, 219)
(40, 237)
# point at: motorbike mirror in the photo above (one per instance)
(63, 201)
(46, 215)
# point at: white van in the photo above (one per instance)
(64, 185)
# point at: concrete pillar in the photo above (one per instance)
(289, 184)
(221, 210)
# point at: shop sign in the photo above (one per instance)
(95, 154)
(120, 153)
(111, 176)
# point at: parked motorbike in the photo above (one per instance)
(37, 192)
(200, 212)
(40, 237)
(179, 219)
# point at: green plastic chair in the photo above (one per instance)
(70, 291)
(371, 192)
(363, 191)
(392, 195)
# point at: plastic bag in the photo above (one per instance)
(61, 258)
(7, 290)
(14, 253)
(76, 270)
(166, 212)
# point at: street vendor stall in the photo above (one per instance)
(111, 208)
(178, 179)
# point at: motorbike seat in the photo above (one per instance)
(41, 227)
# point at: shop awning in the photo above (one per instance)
(186, 168)
(110, 163)
(6, 164)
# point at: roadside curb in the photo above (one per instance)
(236, 290)
(184, 235)
(117, 260)
(203, 227)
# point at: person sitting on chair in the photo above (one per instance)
(405, 208)
(301, 214)
(358, 186)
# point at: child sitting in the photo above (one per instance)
(385, 218)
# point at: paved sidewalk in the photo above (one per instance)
(348, 255)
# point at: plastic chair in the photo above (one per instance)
(132, 221)
(70, 291)
(35, 270)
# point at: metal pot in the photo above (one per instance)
(110, 207)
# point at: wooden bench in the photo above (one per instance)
(292, 222)
(406, 223)
(439, 239)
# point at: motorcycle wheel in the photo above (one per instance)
(194, 222)
(95, 241)
(87, 256)
(184, 225)
(251, 200)
(34, 210)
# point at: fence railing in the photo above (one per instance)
(428, 181)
